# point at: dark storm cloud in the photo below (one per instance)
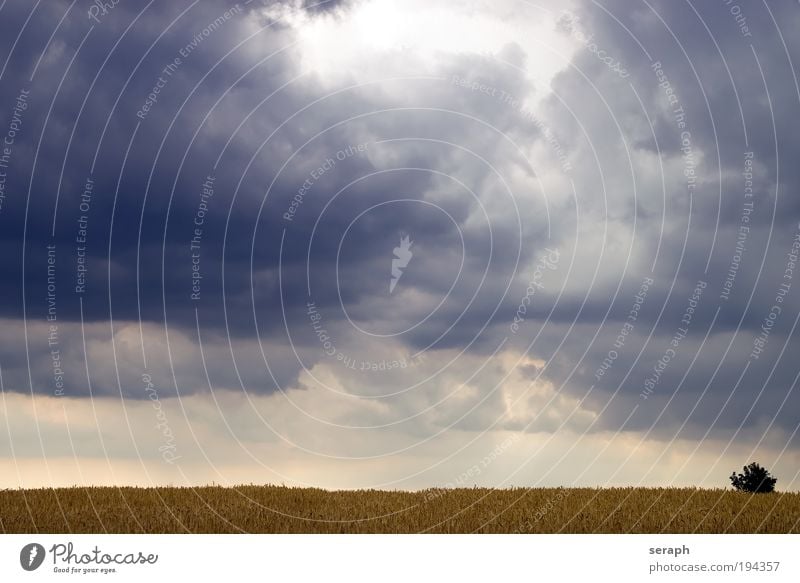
(147, 190)
(127, 175)
(700, 243)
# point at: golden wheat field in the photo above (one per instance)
(277, 509)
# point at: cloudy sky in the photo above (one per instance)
(399, 244)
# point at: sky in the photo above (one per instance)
(398, 245)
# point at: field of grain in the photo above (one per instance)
(276, 509)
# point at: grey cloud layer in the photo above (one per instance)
(487, 187)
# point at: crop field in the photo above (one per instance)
(277, 509)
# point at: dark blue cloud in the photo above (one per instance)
(233, 137)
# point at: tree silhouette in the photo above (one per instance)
(754, 479)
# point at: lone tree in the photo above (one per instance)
(754, 479)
